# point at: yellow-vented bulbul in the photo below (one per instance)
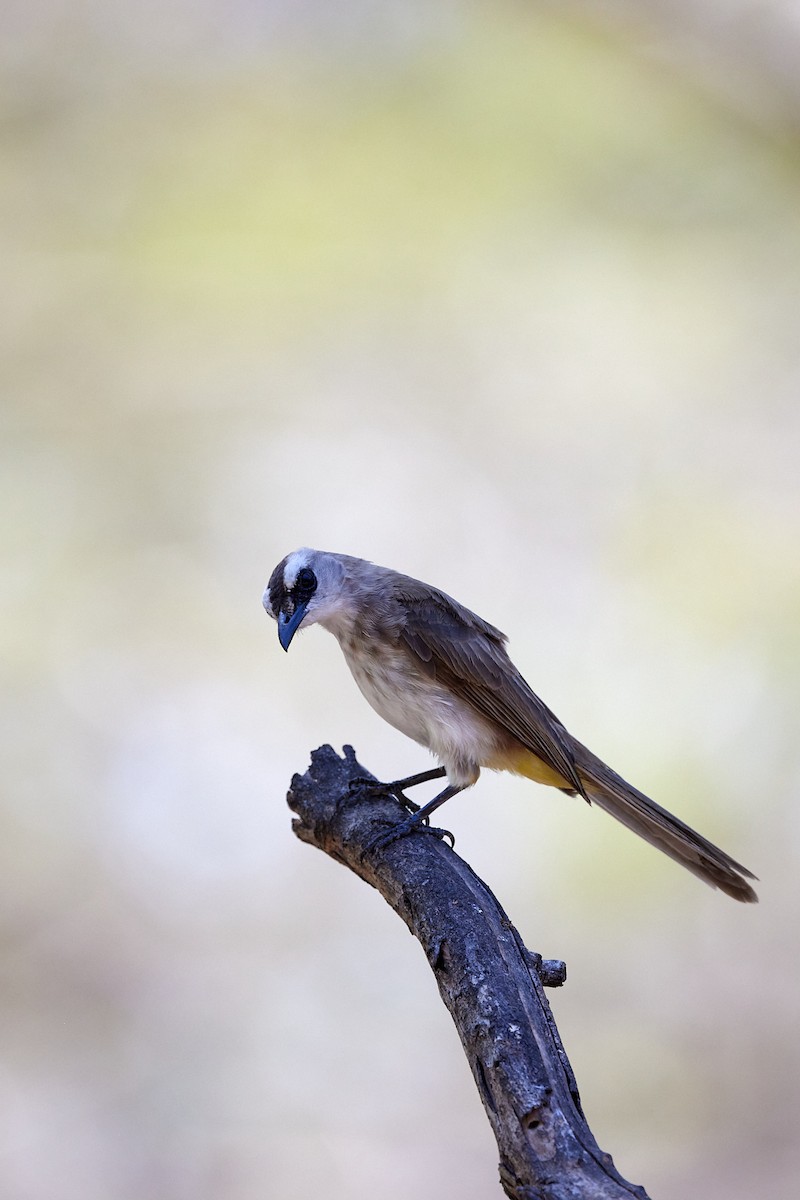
(441, 675)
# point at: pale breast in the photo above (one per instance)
(422, 709)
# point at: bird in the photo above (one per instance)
(441, 675)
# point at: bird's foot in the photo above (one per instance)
(379, 841)
(373, 787)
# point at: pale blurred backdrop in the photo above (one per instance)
(505, 296)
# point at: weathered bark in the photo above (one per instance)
(491, 984)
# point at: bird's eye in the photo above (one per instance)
(306, 582)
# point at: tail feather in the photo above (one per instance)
(658, 827)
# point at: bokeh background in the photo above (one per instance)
(503, 295)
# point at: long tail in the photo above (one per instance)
(657, 826)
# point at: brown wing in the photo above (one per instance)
(452, 644)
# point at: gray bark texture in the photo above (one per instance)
(492, 985)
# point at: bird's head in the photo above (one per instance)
(305, 588)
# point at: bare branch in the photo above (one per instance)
(492, 985)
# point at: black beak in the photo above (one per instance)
(288, 625)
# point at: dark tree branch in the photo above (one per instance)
(490, 983)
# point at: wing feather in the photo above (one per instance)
(460, 649)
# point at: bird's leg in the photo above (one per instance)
(418, 820)
(398, 786)
(423, 813)
(421, 777)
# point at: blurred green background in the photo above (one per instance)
(505, 296)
